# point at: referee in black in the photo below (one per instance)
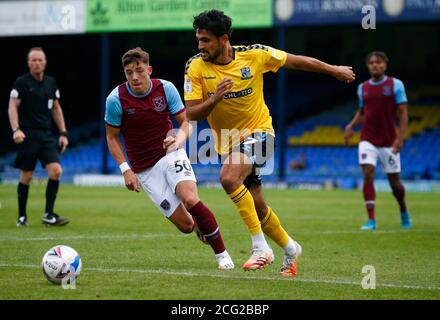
(34, 101)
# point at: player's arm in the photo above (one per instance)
(402, 107)
(58, 117)
(357, 119)
(177, 140)
(18, 135)
(403, 124)
(113, 120)
(114, 144)
(198, 110)
(298, 62)
(115, 147)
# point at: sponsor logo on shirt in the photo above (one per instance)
(236, 94)
(160, 103)
(131, 110)
(209, 77)
(246, 73)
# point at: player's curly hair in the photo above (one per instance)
(214, 21)
(380, 54)
(135, 55)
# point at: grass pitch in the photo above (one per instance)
(130, 251)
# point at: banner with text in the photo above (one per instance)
(316, 12)
(19, 18)
(138, 15)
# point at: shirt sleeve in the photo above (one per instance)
(359, 94)
(271, 58)
(175, 104)
(56, 94)
(399, 92)
(192, 83)
(113, 109)
(18, 90)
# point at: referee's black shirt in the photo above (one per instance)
(37, 98)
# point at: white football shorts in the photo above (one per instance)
(368, 154)
(160, 181)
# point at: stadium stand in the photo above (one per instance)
(320, 141)
(316, 151)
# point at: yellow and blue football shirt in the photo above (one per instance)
(243, 110)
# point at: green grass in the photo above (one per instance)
(129, 251)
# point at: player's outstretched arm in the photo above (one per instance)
(298, 62)
(115, 147)
(357, 119)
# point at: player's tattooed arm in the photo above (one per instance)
(403, 124)
(298, 62)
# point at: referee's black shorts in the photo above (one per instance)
(39, 144)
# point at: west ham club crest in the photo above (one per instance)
(160, 103)
(387, 91)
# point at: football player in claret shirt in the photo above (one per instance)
(224, 84)
(139, 110)
(381, 99)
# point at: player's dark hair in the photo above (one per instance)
(135, 55)
(379, 54)
(214, 21)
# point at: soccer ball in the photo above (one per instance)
(61, 264)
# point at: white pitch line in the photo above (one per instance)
(97, 237)
(360, 232)
(151, 235)
(225, 276)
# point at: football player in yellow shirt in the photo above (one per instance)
(224, 84)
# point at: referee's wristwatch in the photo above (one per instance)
(64, 134)
(14, 130)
